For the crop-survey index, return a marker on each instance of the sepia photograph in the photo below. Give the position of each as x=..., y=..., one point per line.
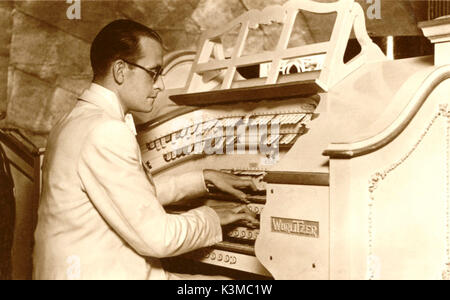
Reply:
x=225, y=145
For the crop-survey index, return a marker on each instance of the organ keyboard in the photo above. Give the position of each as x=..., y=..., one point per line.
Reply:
x=342, y=155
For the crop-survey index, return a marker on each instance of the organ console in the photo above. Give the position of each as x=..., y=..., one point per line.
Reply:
x=351, y=160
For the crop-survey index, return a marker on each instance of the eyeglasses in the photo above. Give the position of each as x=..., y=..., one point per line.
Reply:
x=154, y=72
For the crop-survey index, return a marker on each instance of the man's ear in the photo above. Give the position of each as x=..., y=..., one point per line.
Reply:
x=118, y=70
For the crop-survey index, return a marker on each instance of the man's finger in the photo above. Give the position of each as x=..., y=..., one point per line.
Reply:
x=236, y=217
x=236, y=193
x=245, y=183
x=243, y=208
x=246, y=217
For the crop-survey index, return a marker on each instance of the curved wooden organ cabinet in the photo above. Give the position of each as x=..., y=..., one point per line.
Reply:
x=352, y=160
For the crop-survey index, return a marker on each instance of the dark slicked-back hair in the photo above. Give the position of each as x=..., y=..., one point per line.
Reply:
x=118, y=39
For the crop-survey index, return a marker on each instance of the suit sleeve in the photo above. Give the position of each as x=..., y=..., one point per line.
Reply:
x=115, y=181
x=171, y=189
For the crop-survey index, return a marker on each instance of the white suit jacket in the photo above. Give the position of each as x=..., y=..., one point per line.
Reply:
x=99, y=215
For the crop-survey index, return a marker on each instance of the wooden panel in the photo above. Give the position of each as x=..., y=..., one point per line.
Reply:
x=267, y=92
x=302, y=178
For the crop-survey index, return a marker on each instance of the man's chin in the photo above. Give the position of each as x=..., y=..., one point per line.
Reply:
x=146, y=109
x=148, y=105
x=143, y=109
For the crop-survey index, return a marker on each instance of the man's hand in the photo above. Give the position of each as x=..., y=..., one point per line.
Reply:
x=229, y=183
x=232, y=213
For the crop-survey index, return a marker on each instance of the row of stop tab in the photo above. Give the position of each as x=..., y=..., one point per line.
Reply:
x=244, y=233
x=231, y=259
x=211, y=129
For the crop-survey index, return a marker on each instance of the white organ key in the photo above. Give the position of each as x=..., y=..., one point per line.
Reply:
x=298, y=118
x=257, y=121
x=266, y=120
x=187, y=140
x=184, y=132
x=286, y=119
x=219, y=124
x=209, y=124
x=194, y=128
x=290, y=119
x=277, y=119
x=191, y=148
x=177, y=135
x=252, y=121
x=158, y=145
x=284, y=139
x=288, y=139
x=202, y=146
x=174, y=138
x=246, y=119
x=230, y=141
x=307, y=118
x=229, y=122
x=211, y=132
x=273, y=139
x=234, y=121
x=220, y=142
x=207, y=133
x=226, y=122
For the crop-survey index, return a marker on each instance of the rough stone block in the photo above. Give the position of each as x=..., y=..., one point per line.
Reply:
x=36, y=106
x=216, y=13
x=4, y=63
x=150, y=12
x=261, y=4
x=61, y=102
x=176, y=39
x=178, y=12
x=94, y=15
x=5, y=33
x=7, y=3
x=28, y=102
x=43, y=50
x=74, y=84
x=171, y=18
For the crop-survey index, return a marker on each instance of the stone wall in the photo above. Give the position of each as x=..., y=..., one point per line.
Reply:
x=5, y=41
x=44, y=56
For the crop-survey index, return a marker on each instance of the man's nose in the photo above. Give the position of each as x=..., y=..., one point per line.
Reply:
x=159, y=84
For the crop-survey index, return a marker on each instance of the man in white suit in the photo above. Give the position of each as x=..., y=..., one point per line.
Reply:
x=101, y=216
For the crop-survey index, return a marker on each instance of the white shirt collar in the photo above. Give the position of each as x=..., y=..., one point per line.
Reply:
x=112, y=98
x=109, y=95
